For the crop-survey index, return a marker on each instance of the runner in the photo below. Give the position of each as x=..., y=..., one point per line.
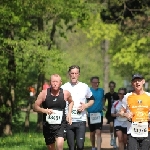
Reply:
x=83, y=99
x=111, y=97
x=53, y=100
x=120, y=123
x=95, y=111
x=136, y=106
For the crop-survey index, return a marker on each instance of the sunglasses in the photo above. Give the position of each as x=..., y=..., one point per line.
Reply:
x=121, y=93
x=95, y=82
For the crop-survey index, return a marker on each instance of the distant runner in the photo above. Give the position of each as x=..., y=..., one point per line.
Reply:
x=120, y=123
x=96, y=111
x=111, y=97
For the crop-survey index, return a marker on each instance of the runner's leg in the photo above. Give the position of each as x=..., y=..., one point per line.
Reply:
x=59, y=143
x=98, y=135
x=80, y=135
x=92, y=133
x=146, y=143
x=51, y=146
x=71, y=135
x=132, y=143
x=111, y=133
x=120, y=138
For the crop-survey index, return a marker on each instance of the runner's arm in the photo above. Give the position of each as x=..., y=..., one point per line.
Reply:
x=71, y=103
x=113, y=111
x=37, y=105
x=90, y=98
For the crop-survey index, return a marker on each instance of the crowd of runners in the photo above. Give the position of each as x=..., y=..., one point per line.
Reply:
x=69, y=107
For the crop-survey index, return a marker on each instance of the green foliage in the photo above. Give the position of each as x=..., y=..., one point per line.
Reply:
x=99, y=31
x=132, y=54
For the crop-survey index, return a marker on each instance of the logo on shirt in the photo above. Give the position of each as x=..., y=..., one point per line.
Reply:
x=139, y=101
x=55, y=99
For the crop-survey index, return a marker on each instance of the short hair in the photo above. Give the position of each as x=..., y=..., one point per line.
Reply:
x=124, y=89
x=112, y=82
x=73, y=67
x=55, y=75
x=94, y=77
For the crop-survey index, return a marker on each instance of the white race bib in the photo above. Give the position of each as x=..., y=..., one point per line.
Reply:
x=95, y=118
x=55, y=117
x=75, y=113
x=139, y=129
x=31, y=93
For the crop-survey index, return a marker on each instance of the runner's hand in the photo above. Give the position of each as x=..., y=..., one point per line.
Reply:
x=82, y=107
x=48, y=111
x=129, y=115
x=69, y=119
x=117, y=114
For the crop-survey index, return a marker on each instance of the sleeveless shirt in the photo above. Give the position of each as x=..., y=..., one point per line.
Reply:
x=54, y=102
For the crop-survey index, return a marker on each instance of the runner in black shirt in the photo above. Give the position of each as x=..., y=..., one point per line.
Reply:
x=111, y=97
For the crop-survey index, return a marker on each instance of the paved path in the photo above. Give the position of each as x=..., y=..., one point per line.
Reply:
x=105, y=137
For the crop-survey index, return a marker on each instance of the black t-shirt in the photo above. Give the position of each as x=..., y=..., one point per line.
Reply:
x=111, y=97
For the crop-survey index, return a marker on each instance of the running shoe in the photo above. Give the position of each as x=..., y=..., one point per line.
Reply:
x=112, y=142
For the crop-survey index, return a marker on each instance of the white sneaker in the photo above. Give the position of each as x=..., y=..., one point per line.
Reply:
x=112, y=142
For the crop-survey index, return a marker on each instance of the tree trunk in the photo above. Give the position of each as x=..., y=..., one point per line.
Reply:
x=41, y=79
x=10, y=92
x=27, y=116
x=105, y=56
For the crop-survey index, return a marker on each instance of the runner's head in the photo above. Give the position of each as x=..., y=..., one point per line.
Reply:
x=112, y=86
x=74, y=73
x=137, y=82
x=55, y=81
x=121, y=93
x=94, y=82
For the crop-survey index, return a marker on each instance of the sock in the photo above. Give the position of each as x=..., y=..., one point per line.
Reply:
x=114, y=139
x=111, y=135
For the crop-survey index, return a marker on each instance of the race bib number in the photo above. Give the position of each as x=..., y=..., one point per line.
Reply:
x=95, y=118
x=75, y=113
x=139, y=129
x=55, y=117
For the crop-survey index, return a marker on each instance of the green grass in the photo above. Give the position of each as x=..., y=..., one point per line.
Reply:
x=27, y=141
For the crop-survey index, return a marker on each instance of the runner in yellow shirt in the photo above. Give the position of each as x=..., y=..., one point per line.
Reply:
x=135, y=108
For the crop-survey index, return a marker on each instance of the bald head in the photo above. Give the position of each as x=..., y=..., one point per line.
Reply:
x=55, y=76
x=55, y=81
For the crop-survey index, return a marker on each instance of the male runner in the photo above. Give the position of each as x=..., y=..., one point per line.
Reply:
x=53, y=100
x=95, y=113
x=83, y=99
x=135, y=107
x=111, y=96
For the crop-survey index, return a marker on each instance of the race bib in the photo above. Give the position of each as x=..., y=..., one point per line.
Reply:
x=95, y=118
x=139, y=129
x=31, y=93
x=75, y=113
x=55, y=117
